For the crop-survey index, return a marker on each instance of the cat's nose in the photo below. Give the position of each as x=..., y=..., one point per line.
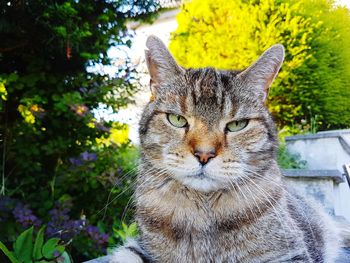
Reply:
x=204, y=156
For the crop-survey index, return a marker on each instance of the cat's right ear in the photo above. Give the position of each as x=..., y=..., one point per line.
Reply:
x=261, y=74
x=161, y=64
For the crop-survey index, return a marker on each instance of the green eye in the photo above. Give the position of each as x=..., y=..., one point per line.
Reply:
x=234, y=126
x=177, y=120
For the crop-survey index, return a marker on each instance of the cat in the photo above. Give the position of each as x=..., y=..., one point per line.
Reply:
x=209, y=188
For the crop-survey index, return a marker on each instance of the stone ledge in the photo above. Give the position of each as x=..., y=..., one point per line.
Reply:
x=325, y=134
x=334, y=175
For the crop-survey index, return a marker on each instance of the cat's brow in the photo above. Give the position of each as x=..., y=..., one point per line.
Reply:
x=169, y=111
x=238, y=117
x=169, y=108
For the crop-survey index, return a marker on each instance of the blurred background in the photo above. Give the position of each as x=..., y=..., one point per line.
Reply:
x=73, y=82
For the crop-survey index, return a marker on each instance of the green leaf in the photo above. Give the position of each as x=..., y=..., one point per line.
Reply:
x=12, y=77
x=8, y=253
x=49, y=247
x=39, y=241
x=23, y=246
x=126, y=231
x=132, y=231
x=60, y=249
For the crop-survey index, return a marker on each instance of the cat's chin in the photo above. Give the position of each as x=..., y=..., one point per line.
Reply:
x=201, y=183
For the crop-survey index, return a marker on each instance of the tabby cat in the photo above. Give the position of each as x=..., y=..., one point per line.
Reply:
x=209, y=188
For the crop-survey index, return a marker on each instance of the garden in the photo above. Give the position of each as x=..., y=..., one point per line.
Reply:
x=67, y=174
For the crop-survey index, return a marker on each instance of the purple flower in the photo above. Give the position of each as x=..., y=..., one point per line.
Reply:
x=100, y=239
x=56, y=254
x=87, y=91
x=76, y=162
x=83, y=90
x=60, y=224
x=83, y=157
x=86, y=156
x=25, y=216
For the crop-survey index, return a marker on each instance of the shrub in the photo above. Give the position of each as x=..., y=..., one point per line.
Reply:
x=315, y=77
x=53, y=147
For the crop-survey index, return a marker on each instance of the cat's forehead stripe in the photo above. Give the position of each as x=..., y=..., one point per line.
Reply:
x=206, y=93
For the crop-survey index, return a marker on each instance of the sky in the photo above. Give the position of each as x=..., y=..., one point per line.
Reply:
x=344, y=2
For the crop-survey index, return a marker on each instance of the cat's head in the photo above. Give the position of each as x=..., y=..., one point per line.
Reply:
x=208, y=128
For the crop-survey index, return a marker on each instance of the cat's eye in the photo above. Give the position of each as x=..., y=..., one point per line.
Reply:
x=234, y=126
x=177, y=120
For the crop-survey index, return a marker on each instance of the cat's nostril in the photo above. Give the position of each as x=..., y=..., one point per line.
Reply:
x=204, y=156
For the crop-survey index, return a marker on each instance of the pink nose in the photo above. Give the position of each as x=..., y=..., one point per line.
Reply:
x=204, y=156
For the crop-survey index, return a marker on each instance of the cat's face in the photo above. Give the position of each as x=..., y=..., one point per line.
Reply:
x=206, y=128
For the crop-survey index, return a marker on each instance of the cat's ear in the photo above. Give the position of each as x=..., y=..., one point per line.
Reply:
x=261, y=74
x=161, y=64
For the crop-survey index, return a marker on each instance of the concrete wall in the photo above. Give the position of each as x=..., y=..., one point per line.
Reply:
x=326, y=150
x=317, y=185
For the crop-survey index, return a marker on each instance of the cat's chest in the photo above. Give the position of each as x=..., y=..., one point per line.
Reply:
x=177, y=214
x=182, y=213
x=197, y=247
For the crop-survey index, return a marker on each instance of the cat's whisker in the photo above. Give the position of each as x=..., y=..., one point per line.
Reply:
x=114, y=185
x=278, y=185
x=132, y=198
x=277, y=212
x=244, y=197
x=288, y=195
x=116, y=197
x=253, y=197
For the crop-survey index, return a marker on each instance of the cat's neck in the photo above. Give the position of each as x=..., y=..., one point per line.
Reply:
x=161, y=198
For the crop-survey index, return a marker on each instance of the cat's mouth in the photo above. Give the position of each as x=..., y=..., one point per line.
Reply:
x=200, y=182
x=199, y=179
x=200, y=174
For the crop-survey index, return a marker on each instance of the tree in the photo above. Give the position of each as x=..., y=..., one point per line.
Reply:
x=52, y=146
x=314, y=82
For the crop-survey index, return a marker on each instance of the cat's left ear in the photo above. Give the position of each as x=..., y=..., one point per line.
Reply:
x=261, y=74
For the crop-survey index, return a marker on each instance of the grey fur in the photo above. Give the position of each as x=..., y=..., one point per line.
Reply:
x=236, y=208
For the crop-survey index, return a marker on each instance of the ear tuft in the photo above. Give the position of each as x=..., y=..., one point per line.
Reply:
x=154, y=42
x=261, y=74
x=161, y=64
x=276, y=51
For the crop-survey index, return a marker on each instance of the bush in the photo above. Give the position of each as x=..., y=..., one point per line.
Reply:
x=315, y=77
x=53, y=148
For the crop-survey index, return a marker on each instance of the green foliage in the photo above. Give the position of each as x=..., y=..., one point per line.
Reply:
x=23, y=246
x=125, y=231
x=286, y=160
x=8, y=253
x=315, y=77
x=52, y=145
x=39, y=242
x=24, y=251
x=3, y=93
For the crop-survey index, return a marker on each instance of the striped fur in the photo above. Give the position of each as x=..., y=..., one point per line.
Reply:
x=235, y=208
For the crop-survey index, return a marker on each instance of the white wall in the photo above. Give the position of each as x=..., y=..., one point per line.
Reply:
x=323, y=151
